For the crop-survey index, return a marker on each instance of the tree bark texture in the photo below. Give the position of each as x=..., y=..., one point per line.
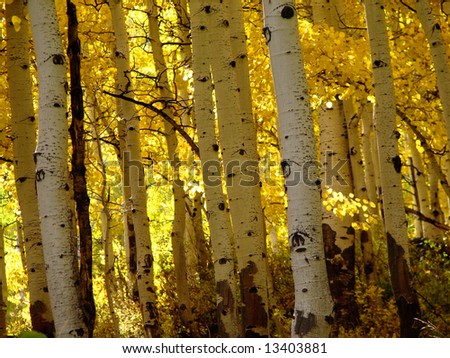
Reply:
x=313, y=303
x=241, y=175
x=134, y=177
x=216, y=201
x=390, y=170
x=77, y=134
x=23, y=123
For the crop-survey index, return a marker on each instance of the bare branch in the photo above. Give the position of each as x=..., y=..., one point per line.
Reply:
x=164, y=115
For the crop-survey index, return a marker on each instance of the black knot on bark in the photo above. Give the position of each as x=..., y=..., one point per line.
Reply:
x=397, y=163
x=287, y=12
x=58, y=59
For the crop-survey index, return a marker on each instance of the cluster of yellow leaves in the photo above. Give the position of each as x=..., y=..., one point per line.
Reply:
x=362, y=210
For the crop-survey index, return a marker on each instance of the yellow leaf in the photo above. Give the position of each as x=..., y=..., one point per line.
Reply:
x=16, y=22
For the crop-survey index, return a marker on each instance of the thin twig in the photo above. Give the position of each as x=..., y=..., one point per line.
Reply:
x=164, y=115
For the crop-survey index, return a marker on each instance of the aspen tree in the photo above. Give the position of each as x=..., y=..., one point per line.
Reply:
x=129, y=232
x=105, y=218
x=370, y=152
x=241, y=68
x=360, y=187
x=439, y=54
x=423, y=194
x=313, y=303
x=338, y=233
x=77, y=135
x=241, y=175
x=390, y=170
x=23, y=125
x=177, y=235
x=134, y=176
x=339, y=236
x=52, y=176
x=216, y=203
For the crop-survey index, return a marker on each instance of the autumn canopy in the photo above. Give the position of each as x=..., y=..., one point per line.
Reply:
x=209, y=168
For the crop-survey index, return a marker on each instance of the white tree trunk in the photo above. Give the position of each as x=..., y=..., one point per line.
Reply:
x=313, y=304
x=360, y=187
x=216, y=203
x=370, y=153
x=338, y=233
x=424, y=206
x=439, y=54
x=23, y=125
x=390, y=169
x=177, y=235
x=135, y=177
x=52, y=176
x=241, y=174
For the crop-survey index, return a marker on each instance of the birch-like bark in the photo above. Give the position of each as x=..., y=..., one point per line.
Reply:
x=23, y=125
x=360, y=188
x=241, y=174
x=436, y=210
x=129, y=235
x=241, y=68
x=21, y=245
x=216, y=203
x=313, y=303
x=338, y=233
x=177, y=235
x=52, y=176
x=328, y=12
x=424, y=206
x=134, y=177
x=390, y=170
x=105, y=218
x=202, y=245
x=439, y=54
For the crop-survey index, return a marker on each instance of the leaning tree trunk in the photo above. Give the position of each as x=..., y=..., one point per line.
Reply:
x=216, y=203
x=77, y=135
x=313, y=304
x=241, y=175
x=52, y=176
x=23, y=125
x=390, y=170
x=134, y=176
